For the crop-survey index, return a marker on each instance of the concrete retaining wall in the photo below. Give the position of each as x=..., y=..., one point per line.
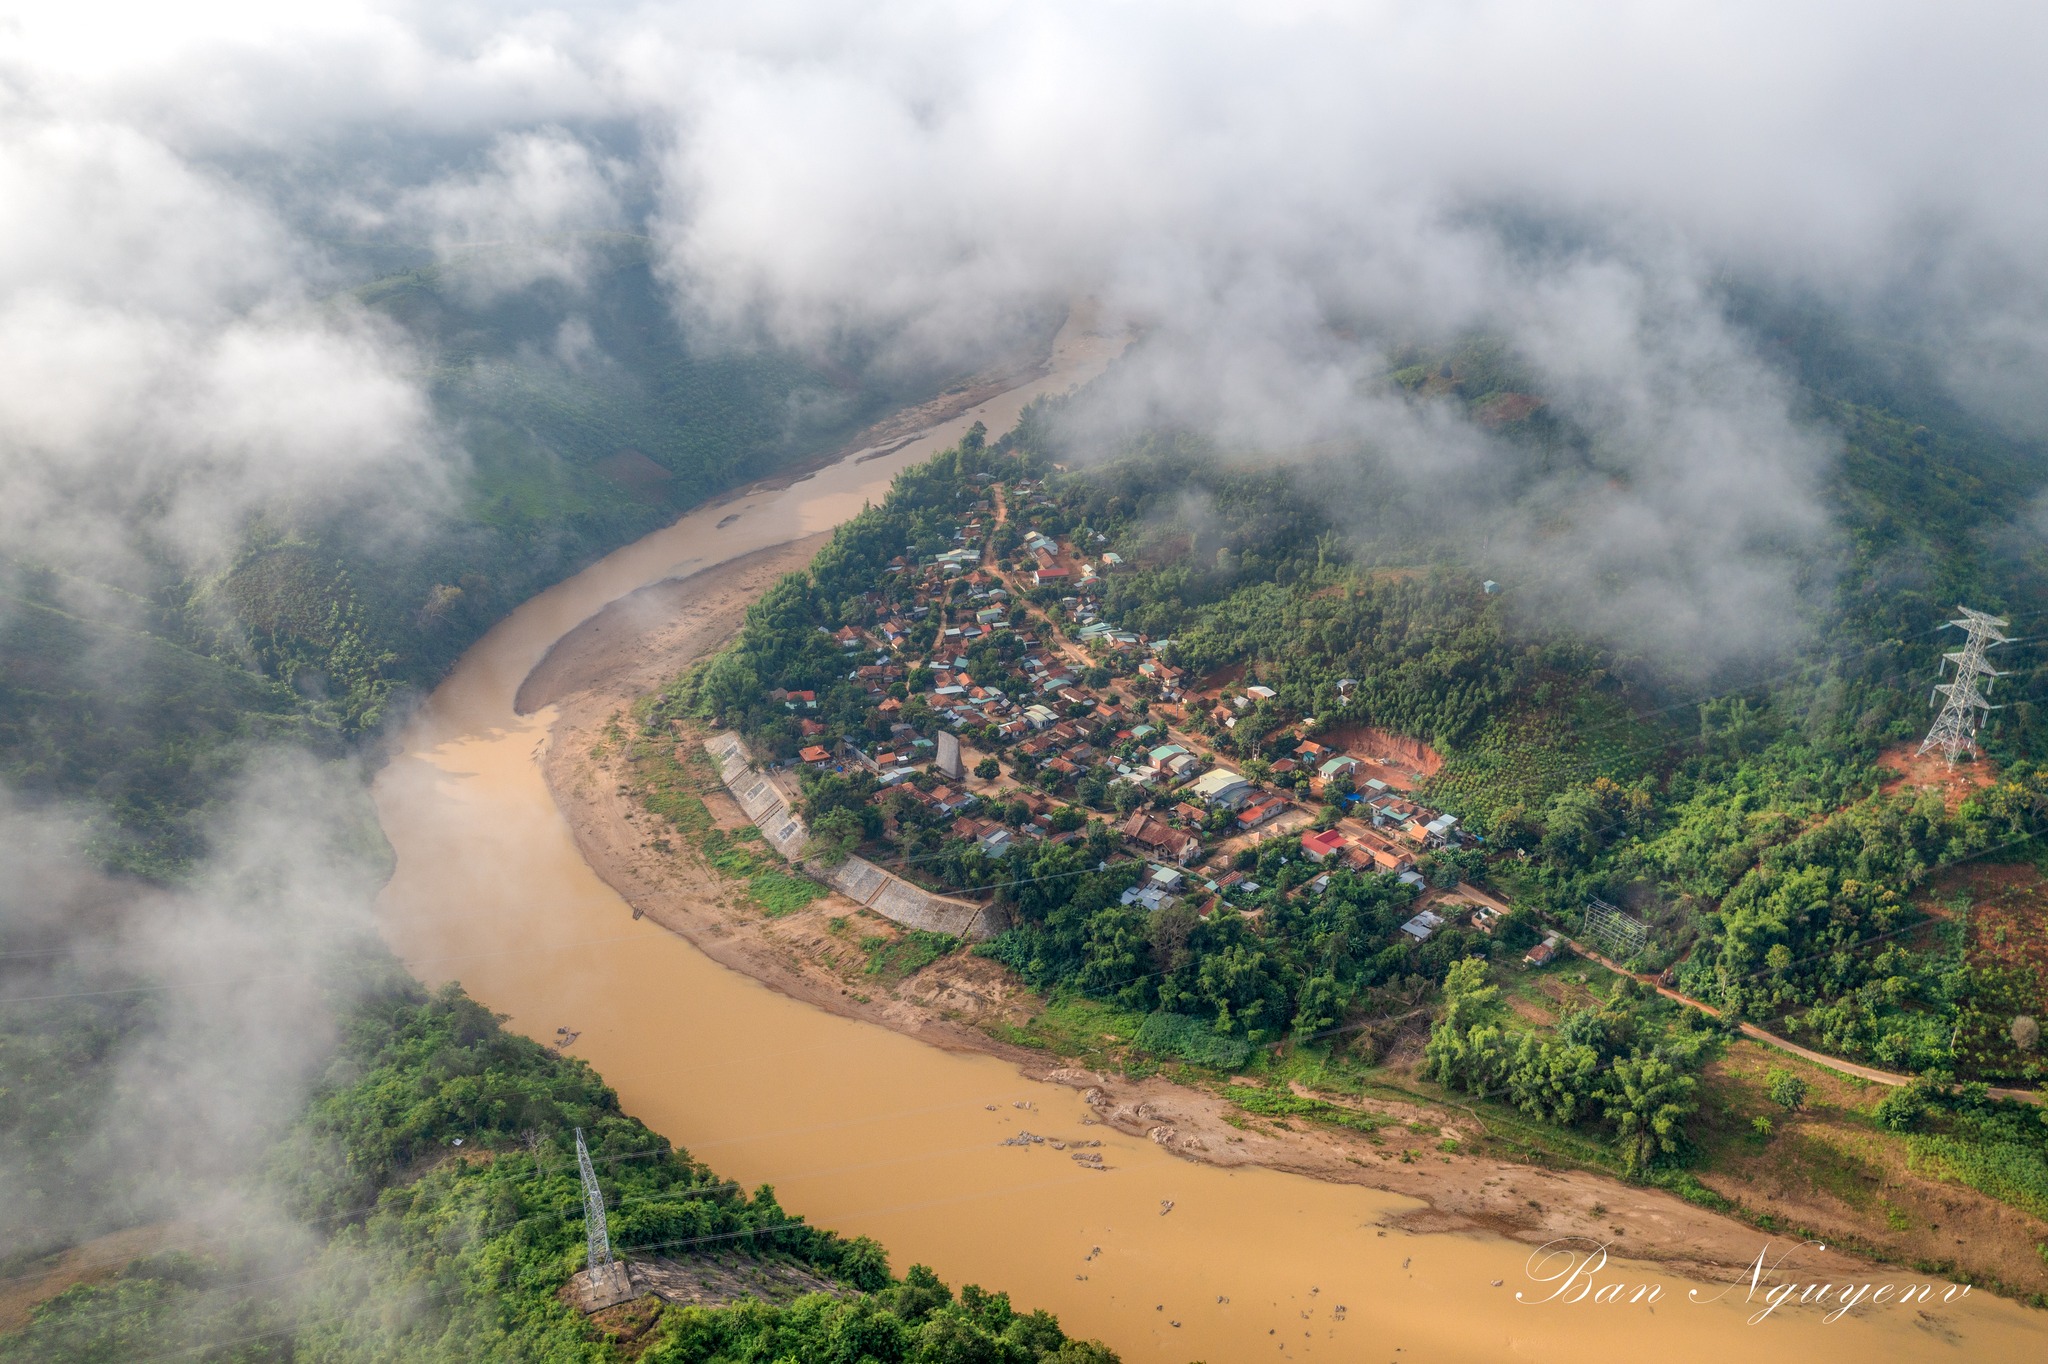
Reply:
x=858, y=879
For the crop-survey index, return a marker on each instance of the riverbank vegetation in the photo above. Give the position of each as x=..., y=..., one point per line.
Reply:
x=1749, y=842
x=431, y=1209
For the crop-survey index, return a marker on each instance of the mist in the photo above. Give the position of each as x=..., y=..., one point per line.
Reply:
x=209, y=1005
x=1277, y=196
x=1246, y=183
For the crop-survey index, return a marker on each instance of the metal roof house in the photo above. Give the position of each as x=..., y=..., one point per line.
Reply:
x=1423, y=924
x=1221, y=786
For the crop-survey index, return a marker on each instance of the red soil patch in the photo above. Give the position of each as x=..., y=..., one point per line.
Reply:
x=1931, y=772
x=2008, y=916
x=1396, y=759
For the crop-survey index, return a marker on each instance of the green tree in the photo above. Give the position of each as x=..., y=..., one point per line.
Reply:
x=1648, y=1100
x=834, y=835
x=1787, y=1090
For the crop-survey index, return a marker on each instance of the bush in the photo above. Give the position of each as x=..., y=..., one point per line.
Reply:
x=1901, y=1109
x=1192, y=1039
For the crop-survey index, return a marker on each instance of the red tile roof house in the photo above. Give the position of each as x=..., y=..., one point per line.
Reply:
x=1315, y=847
x=1372, y=852
x=1259, y=811
x=815, y=754
x=1378, y=859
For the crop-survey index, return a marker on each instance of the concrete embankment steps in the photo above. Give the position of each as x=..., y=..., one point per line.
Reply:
x=858, y=879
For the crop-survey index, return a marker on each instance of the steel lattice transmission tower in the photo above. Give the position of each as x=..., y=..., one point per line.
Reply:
x=594, y=1224
x=1955, y=729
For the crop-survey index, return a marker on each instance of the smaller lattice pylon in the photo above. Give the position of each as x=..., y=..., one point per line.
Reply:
x=1963, y=703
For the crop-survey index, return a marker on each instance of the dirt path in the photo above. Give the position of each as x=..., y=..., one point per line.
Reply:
x=1750, y=1030
x=92, y=1262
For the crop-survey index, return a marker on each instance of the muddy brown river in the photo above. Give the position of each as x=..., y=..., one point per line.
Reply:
x=868, y=1132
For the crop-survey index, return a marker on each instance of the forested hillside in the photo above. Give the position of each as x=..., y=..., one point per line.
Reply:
x=584, y=416
x=434, y=1178
x=134, y=693
x=1751, y=827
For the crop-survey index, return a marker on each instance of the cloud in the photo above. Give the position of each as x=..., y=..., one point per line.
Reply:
x=195, y=1017
x=536, y=194
x=1256, y=186
x=164, y=371
x=1272, y=190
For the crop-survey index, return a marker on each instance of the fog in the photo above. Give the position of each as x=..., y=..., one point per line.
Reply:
x=1237, y=179
x=214, y=999
x=1276, y=194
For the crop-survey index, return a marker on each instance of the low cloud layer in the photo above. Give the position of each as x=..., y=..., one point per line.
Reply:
x=1276, y=193
x=1245, y=181
x=165, y=372
x=212, y=1001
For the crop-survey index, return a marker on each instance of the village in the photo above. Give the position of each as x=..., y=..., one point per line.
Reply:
x=1015, y=713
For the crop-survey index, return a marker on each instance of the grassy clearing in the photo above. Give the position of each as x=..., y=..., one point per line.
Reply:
x=1085, y=1031
x=2009, y=1171
x=1281, y=1103
x=906, y=954
x=769, y=885
x=669, y=779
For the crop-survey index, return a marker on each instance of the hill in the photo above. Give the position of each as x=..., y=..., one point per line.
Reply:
x=1172, y=671
x=586, y=417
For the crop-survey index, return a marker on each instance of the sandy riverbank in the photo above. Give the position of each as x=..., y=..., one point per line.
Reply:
x=635, y=644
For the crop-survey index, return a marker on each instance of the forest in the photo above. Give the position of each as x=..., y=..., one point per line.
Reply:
x=139, y=692
x=432, y=1179
x=1748, y=824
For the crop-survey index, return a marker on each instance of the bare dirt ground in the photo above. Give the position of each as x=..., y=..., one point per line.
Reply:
x=2008, y=918
x=596, y=672
x=1931, y=772
x=1401, y=762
